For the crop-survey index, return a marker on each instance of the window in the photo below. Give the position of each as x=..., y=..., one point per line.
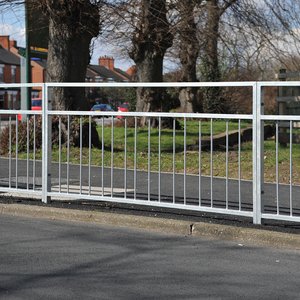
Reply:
x=1, y=101
x=12, y=100
x=98, y=79
x=13, y=74
x=1, y=73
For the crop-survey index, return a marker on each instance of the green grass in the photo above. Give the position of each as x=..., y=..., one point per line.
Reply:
x=192, y=136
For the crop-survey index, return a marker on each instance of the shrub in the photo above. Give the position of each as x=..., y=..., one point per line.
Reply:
x=35, y=134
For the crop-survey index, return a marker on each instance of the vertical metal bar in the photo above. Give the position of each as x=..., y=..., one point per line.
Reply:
x=46, y=146
x=159, y=159
x=17, y=150
x=174, y=157
x=277, y=168
x=200, y=163
x=27, y=144
x=49, y=145
x=34, y=151
x=239, y=164
x=125, y=158
x=211, y=162
x=291, y=168
x=68, y=156
x=59, y=153
x=102, y=155
x=90, y=151
x=227, y=152
x=80, y=157
x=184, y=161
x=149, y=153
x=257, y=153
x=112, y=157
x=10, y=159
x=262, y=142
x=135, y=154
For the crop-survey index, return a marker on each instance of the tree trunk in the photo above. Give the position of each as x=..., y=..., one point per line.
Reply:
x=149, y=70
x=188, y=54
x=150, y=41
x=72, y=25
x=212, y=101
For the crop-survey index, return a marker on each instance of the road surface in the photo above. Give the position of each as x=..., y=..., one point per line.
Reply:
x=144, y=181
x=42, y=259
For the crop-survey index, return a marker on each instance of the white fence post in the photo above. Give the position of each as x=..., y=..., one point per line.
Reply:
x=257, y=154
x=46, y=146
x=262, y=138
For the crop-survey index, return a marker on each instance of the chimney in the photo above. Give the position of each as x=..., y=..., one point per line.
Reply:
x=12, y=44
x=131, y=71
x=107, y=62
x=4, y=41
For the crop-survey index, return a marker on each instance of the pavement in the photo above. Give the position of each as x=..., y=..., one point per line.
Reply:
x=230, y=230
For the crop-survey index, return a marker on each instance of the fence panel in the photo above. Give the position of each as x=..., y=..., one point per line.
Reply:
x=217, y=163
x=174, y=160
x=180, y=167
x=20, y=141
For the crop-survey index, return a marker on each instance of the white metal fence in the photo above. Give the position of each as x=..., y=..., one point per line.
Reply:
x=181, y=167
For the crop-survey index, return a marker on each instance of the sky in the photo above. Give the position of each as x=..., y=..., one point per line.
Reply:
x=12, y=23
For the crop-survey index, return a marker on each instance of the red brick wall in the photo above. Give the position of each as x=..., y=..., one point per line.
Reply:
x=7, y=74
x=37, y=74
x=18, y=74
x=4, y=41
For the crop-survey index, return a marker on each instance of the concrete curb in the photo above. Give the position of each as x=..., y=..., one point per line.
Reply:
x=247, y=236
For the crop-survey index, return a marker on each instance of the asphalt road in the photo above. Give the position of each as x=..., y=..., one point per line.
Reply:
x=166, y=184
x=42, y=259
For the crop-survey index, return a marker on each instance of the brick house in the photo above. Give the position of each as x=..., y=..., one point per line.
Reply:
x=9, y=73
x=105, y=71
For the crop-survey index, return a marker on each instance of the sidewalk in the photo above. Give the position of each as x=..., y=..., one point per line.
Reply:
x=240, y=232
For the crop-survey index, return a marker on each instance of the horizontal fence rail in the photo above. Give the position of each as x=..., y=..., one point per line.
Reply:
x=191, y=161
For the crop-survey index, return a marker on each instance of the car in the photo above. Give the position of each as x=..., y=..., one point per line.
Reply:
x=123, y=108
x=102, y=107
x=36, y=104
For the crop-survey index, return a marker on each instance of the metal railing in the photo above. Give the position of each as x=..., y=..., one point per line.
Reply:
x=181, y=167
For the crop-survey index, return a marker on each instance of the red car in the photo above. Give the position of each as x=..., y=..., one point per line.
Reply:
x=36, y=104
x=123, y=108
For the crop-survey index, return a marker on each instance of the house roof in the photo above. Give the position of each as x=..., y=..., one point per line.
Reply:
x=8, y=58
x=124, y=74
x=42, y=63
x=105, y=73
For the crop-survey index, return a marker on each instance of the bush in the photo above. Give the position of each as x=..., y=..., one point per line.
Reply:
x=37, y=139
